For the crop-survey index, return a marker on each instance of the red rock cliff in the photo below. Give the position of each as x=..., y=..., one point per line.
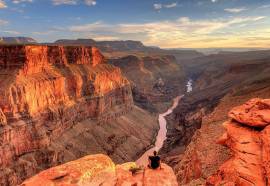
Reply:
x=33, y=59
x=44, y=91
x=248, y=136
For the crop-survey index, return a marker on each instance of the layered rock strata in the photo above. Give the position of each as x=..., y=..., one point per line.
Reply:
x=155, y=79
x=100, y=170
x=46, y=90
x=247, y=136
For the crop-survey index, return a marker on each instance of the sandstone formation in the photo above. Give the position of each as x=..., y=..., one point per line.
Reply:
x=45, y=91
x=98, y=170
x=249, y=164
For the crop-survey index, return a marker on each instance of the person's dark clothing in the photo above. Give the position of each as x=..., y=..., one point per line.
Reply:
x=155, y=161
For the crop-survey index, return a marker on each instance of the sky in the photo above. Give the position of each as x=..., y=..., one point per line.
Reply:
x=163, y=23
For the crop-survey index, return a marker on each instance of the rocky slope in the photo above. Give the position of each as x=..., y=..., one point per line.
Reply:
x=155, y=79
x=50, y=98
x=100, y=170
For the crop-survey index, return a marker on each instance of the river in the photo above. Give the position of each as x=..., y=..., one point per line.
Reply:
x=162, y=133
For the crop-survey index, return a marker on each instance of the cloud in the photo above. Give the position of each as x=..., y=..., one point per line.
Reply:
x=172, y=5
x=183, y=24
x=159, y=6
x=12, y=32
x=265, y=6
x=21, y=1
x=48, y=32
x=90, y=2
x=2, y=4
x=3, y=22
x=97, y=26
x=74, y=2
x=180, y=32
x=64, y=2
x=235, y=10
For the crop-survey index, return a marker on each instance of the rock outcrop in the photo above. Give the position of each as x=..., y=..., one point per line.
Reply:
x=46, y=90
x=247, y=136
x=99, y=169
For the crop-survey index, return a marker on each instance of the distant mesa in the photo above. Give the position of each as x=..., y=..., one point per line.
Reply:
x=106, y=45
x=17, y=40
x=109, y=46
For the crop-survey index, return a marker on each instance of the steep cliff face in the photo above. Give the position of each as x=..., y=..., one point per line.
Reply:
x=46, y=90
x=100, y=170
x=247, y=136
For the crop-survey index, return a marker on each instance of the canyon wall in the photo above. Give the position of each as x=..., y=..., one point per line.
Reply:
x=45, y=91
x=155, y=79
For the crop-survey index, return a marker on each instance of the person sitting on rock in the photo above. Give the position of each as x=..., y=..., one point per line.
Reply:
x=154, y=161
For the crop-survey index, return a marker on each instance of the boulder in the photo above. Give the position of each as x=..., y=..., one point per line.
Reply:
x=254, y=113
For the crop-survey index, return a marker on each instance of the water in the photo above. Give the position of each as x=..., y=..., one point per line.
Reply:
x=161, y=137
x=189, y=86
x=162, y=133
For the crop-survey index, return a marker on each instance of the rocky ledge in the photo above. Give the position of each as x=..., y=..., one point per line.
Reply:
x=99, y=169
x=248, y=137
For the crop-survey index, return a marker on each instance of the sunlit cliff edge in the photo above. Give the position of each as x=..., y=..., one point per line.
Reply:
x=99, y=169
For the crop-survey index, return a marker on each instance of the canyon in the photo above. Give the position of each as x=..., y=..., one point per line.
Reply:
x=67, y=100
x=59, y=103
x=155, y=79
x=220, y=82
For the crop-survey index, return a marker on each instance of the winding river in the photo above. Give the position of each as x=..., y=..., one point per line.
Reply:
x=162, y=133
